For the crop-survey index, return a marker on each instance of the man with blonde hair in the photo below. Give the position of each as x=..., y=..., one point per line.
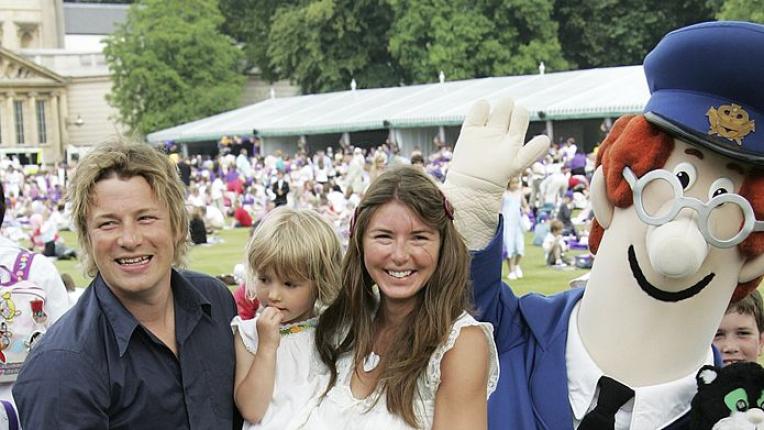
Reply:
x=147, y=346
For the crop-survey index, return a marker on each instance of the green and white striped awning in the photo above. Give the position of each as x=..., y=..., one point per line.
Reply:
x=581, y=94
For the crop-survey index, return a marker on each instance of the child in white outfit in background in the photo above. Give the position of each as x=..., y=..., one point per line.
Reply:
x=294, y=259
x=554, y=246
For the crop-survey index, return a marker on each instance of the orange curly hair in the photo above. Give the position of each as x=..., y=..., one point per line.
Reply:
x=636, y=143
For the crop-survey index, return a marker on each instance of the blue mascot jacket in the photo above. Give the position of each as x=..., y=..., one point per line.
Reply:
x=531, y=334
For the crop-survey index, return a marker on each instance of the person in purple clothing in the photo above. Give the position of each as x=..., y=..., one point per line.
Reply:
x=577, y=164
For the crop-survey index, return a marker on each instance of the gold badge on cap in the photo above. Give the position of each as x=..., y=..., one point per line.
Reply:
x=731, y=122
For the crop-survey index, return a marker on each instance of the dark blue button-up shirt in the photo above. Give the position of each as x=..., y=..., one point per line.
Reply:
x=98, y=368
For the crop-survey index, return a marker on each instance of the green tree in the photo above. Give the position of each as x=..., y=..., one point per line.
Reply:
x=742, y=10
x=468, y=39
x=323, y=44
x=170, y=64
x=249, y=22
x=601, y=33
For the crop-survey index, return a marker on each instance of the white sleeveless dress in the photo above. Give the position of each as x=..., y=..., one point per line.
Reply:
x=300, y=374
x=340, y=410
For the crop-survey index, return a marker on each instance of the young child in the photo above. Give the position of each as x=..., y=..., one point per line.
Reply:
x=513, y=208
x=740, y=336
x=564, y=213
x=554, y=245
x=294, y=262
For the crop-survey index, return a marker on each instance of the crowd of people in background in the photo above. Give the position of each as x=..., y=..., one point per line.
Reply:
x=237, y=187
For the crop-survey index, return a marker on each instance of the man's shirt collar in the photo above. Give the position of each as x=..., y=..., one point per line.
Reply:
x=189, y=303
x=652, y=407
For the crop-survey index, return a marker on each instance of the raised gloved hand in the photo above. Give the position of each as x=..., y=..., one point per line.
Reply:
x=488, y=152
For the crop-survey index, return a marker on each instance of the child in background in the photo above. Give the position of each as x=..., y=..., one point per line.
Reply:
x=554, y=245
x=564, y=213
x=241, y=217
x=740, y=337
x=513, y=208
x=294, y=262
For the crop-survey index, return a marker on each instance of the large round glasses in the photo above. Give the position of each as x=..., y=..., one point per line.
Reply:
x=719, y=219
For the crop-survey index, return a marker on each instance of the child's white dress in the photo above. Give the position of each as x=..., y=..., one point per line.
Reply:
x=511, y=209
x=340, y=410
x=298, y=372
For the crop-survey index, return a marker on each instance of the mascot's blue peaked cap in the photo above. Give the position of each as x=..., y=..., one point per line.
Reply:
x=707, y=87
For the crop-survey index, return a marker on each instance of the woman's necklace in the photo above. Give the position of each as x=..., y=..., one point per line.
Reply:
x=371, y=362
x=382, y=339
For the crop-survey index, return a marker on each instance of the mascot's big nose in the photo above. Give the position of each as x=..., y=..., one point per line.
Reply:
x=677, y=248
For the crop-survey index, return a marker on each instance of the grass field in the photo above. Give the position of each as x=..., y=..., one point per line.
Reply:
x=220, y=258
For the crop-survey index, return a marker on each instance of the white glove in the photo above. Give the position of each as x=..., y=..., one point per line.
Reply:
x=488, y=152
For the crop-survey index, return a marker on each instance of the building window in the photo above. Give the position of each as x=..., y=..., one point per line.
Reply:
x=18, y=115
x=27, y=39
x=27, y=34
x=86, y=60
x=42, y=129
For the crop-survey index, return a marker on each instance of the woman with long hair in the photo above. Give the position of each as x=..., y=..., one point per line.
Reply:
x=401, y=349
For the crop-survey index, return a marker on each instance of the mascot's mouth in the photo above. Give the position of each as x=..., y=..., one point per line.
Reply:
x=658, y=294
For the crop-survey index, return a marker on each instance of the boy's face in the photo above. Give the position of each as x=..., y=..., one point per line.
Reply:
x=738, y=339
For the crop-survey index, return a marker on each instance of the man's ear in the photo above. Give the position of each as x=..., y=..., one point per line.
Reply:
x=751, y=269
x=603, y=209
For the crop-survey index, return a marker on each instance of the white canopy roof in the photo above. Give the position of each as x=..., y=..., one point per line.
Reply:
x=596, y=93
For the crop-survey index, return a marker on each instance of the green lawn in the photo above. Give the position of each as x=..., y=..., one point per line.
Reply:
x=220, y=258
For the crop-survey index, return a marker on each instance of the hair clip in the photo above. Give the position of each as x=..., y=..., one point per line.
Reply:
x=447, y=207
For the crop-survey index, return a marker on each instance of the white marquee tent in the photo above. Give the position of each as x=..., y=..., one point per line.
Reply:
x=581, y=94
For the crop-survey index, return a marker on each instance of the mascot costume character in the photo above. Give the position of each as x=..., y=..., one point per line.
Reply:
x=678, y=199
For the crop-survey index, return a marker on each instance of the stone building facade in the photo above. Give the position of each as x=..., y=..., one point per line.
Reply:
x=54, y=79
x=32, y=107
x=33, y=103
